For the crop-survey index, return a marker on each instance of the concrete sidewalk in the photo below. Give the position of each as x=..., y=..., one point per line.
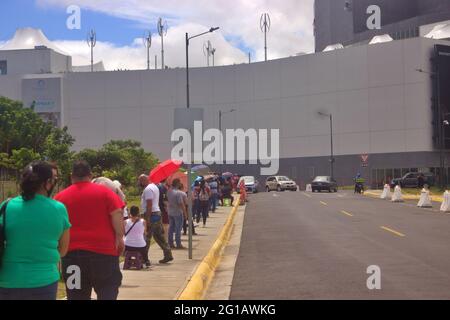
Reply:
x=165, y=282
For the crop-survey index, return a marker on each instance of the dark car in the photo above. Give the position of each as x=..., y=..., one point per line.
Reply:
x=324, y=183
x=411, y=180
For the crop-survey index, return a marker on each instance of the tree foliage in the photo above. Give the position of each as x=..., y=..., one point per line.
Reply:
x=25, y=137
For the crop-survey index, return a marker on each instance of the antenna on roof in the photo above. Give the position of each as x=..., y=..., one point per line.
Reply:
x=92, y=41
x=148, y=44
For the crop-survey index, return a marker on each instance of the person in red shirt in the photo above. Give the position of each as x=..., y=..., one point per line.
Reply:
x=96, y=237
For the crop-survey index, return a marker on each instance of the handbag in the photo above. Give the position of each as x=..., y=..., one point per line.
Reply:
x=3, y=231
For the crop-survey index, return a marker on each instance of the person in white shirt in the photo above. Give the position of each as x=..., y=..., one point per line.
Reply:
x=152, y=215
x=135, y=230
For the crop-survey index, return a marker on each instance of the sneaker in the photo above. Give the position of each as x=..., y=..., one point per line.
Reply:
x=180, y=247
x=147, y=265
x=166, y=259
x=172, y=246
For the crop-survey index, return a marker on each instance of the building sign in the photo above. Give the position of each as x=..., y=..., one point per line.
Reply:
x=44, y=96
x=364, y=160
x=367, y=12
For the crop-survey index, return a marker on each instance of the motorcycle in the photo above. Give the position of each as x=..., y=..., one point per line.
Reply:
x=359, y=188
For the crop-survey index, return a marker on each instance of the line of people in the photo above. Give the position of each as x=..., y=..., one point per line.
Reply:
x=81, y=232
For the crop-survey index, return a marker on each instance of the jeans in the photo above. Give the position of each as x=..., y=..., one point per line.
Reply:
x=175, y=226
x=97, y=271
x=185, y=226
x=213, y=201
x=41, y=293
x=204, y=210
x=196, y=210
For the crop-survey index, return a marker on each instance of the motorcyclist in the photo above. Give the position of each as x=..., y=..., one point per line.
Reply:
x=359, y=183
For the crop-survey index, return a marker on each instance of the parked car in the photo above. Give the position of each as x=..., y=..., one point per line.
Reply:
x=280, y=183
x=411, y=180
x=324, y=183
x=251, y=184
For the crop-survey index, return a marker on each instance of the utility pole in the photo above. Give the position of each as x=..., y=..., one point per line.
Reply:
x=148, y=44
x=92, y=41
x=265, y=24
x=162, y=31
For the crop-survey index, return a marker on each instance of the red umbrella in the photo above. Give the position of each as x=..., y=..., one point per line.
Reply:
x=164, y=170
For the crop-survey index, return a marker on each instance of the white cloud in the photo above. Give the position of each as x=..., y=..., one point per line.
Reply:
x=291, y=30
x=135, y=55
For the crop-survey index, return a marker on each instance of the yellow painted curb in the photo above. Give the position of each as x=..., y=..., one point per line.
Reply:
x=201, y=279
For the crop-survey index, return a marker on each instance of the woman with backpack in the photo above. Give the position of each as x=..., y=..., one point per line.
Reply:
x=36, y=229
x=204, y=193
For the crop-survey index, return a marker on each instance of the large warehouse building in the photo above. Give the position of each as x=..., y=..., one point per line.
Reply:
x=345, y=22
x=382, y=107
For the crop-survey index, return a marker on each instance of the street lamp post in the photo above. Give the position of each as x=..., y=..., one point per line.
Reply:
x=442, y=124
x=330, y=115
x=190, y=222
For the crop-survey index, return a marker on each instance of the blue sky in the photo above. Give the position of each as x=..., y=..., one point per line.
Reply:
x=52, y=21
x=119, y=23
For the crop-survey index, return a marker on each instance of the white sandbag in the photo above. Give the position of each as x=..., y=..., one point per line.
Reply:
x=386, y=194
x=308, y=188
x=425, y=199
x=445, y=207
x=397, y=196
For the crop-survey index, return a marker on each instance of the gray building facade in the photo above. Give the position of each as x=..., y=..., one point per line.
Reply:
x=345, y=21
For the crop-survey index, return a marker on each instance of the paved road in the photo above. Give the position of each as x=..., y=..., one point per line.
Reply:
x=318, y=246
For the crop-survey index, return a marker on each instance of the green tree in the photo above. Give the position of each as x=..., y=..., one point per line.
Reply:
x=22, y=157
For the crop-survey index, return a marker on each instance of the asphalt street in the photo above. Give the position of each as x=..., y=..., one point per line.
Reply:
x=298, y=245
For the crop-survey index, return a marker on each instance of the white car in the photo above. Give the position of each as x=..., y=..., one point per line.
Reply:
x=280, y=183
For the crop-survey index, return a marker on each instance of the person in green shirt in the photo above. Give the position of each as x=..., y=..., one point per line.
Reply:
x=37, y=236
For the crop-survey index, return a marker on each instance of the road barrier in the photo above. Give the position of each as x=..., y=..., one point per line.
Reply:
x=445, y=207
x=386, y=192
x=308, y=188
x=201, y=279
x=397, y=197
x=425, y=199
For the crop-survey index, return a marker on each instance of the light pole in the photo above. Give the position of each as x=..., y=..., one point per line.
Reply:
x=188, y=105
x=330, y=115
x=221, y=113
x=440, y=128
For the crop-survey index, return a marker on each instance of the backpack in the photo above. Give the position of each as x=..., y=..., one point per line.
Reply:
x=203, y=195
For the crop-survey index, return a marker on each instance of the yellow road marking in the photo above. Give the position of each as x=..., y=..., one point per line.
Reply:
x=324, y=203
x=307, y=195
x=347, y=213
x=393, y=231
